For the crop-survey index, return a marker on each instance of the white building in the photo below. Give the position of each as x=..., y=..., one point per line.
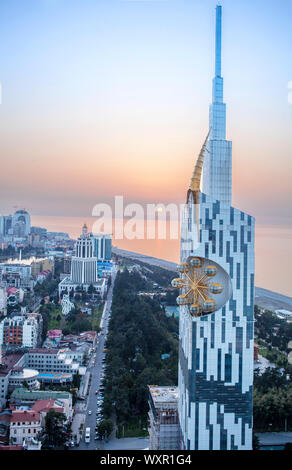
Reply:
x=20, y=376
x=3, y=300
x=52, y=360
x=84, y=265
x=66, y=285
x=19, y=331
x=24, y=425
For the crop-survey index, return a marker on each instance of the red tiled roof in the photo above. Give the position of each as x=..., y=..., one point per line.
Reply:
x=46, y=405
x=26, y=416
x=16, y=447
x=44, y=351
x=54, y=333
x=8, y=362
x=12, y=290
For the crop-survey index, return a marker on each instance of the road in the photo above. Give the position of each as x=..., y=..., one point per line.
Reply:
x=95, y=368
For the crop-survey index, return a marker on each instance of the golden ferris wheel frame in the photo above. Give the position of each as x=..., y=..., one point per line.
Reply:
x=204, y=286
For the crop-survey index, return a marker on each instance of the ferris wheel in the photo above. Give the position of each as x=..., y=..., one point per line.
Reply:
x=200, y=283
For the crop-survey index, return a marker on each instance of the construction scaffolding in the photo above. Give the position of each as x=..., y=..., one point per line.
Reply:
x=163, y=418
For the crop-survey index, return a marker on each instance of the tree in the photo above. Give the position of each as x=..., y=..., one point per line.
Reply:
x=255, y=442
x=105, y=428
x=54, y=434
x=76, y=380
x=91, y=289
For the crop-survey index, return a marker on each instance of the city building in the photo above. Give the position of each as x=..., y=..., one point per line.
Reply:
x=3, y=301
x=25, y=273
x=24, y=424
x=163, y=418
x=38, y=231
x=44, y=406
x=52, y=360
x=22, y=397
x=54, y=378
x=21, y=376
x=84, y=264
x=41, y=265
x=31, y=443
x=81, y=343
x=216, y=351
x=21, y=330
x=5, y=225
x=5, y=417
x=103, y=246
x=14, y=296
x=15, y=274
x=21, y=223
x=53, y=339
x=105, y=268
x=7, y=364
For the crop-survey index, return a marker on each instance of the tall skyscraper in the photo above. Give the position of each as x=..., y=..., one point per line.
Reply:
x=217, y=297
x=103, y=246
x=21, y=223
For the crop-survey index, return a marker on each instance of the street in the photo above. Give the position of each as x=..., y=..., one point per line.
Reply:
x=96, y=370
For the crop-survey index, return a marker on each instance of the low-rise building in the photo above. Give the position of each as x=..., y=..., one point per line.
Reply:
x=24, y=397
x=20, y=376
x=7, y=364
x=5, y=417
x=44, y=406
x=52, y=360
x=24, y=425
x=163, y=418
x=14, y=296
x=66, y=285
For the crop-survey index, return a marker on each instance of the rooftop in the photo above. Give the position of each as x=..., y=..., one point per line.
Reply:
x=44, y=351
x=8, y=362
x=163, y=394
x=25, y=416
x=24, y=394
x=46, y=405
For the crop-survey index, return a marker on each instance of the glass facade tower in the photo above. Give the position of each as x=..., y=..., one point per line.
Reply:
x=216, y=350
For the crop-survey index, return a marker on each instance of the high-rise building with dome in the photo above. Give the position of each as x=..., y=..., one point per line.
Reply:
x=216, y=284
x=84, y=263
x=90, y=250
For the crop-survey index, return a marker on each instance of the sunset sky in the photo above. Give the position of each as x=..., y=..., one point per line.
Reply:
x=110, y=97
